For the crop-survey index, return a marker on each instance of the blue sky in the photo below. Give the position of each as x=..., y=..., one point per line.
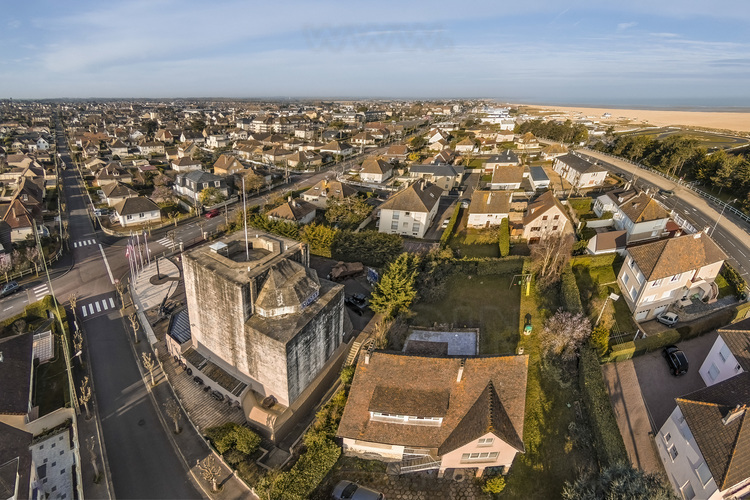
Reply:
x=689, y=52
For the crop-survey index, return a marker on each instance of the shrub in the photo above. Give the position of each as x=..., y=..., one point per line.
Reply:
x=372, y=248
x=571, y=296
x=446, y=236
x=580, y=205
x=347, y=374
x=231, y=436
x=494, y=485
x=504, y=239
x=735, y=280
x=600, y=340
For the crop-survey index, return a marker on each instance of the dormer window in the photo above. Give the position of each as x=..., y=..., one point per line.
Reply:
x=376, y=416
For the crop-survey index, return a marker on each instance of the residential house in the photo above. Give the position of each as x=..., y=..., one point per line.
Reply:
x=410, y=212
x=659, y=274
x=448, y=177
x=294, y=210
x=467, y=145
x=186, y=164
x=193, y=137
x=527, y=141
x=118, y=148
x=439, y=145
x=608, y=242
x=326, y=190
x=187, y=149
x=164, y=136
x=227, y=165
x=544, y=216
x=364, y=139
x=276, y=155
x=439, y=413
x=150, y=147
x=579, y=172
x=217, y=140
x=115, y=192
x=505, y=159
x=190, y=184
x=704, y=443
x=21, y=218
x=436, y=135
x=112, y=173
x=507, y=178
x=638, y=214
x=538, y=178
x=553, y=151
x=302, y=159
x=730, y=354
x=137, y=210
x=18, y=473
x=94, y=164
x=447, y=155
x=42, y=144
x=375, y=170
x=489, y=208
x=338, y=148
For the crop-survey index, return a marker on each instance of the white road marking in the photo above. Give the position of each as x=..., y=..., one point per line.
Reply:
x=40, y=287
x=91, y=308
x=109, y=271
x=8, y=308
x=112, y=302
x=83, y=310
x=98, y=309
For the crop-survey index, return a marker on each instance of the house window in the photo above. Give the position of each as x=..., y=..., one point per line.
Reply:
x=655, y=283
x=394, y=225
x=142, y=215
x=544, y=218
x=703, y=473
x=129, y=217
x=675, y=277
x=415, y=228
x=407, y=214
x=633, y=293
x=672, y=452
x=687, y=491
x=216, y=183
x=724, y=353
x=395, y=215
x=631, y=263
x=713, y=372
x=535, y=229
x=485, y=441
x=485, y=456
x=554, y=228
x=556, y=217
x=667, y=437
x=625, y=279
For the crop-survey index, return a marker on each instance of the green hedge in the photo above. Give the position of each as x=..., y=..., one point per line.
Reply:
x=735, y=280
x=446, y=236
x=608, y=441
x=580, y=205
x=232, y=436
x=594, y=260
x=627, y=350
x=569, y=293
x=504, y=239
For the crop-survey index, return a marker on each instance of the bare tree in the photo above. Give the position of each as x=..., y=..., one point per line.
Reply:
x=149, y=364
x=33, y=255
x=120, y=287
x=172, y=235
x=175, y=413
x=564, y=333
x=550, y=255
x=73, y=298
x=85, y=396
x=78, y=345
x=202, y=225
x=6, y=266
x=93, y=456
x=136, y=325
x=173, y=217
x=209, y=470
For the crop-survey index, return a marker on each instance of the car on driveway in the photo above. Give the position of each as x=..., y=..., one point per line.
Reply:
x=10, y=288
x=446, y=222
x=669, y=318
x=347, y=490
x=357, y=302
x=212, y=213
x=676, y=360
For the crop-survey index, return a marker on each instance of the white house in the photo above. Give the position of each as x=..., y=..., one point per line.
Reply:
x=639, y=215
x=580, y=173
x=139, y=210
x=489, y=208
x=294, y=210
x=509, y=177
x=186, y=164
x=410, y=212
x=704, y=443
x=659, y=274
x=730, y=354
x=375, y=170
x=505, y=159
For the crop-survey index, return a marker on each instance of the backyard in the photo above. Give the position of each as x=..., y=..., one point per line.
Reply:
x=470, y=242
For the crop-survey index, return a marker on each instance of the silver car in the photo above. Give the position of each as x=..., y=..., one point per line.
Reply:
x=347, y=490
x=669, y=319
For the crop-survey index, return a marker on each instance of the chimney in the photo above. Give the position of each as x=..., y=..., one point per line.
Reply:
x=289, y=199
x=461, y=370
x=698, y=234
x=734, y=414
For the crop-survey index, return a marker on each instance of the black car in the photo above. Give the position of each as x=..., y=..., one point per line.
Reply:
x=676, y=360
x=357, y=302
x=10, y=288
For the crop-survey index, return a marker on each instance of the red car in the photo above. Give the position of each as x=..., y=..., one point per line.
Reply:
x=212, y=213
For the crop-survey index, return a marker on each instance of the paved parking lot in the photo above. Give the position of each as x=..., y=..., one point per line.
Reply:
x=660, y=388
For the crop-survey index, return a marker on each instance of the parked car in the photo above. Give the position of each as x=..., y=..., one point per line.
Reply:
x=10, y=288
x=100, y=212
x=212, y=213
x=666, y=192
x=357, y=300
x=445, y=223
x=347, y=490
x=676, y=360
x=669, y=319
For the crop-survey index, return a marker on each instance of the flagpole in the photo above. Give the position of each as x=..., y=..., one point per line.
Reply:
x=244, y=213
x=140, y=255
x=145, y=244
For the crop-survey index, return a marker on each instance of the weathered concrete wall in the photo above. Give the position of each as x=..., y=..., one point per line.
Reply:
x=266, y=361
x=309, y=350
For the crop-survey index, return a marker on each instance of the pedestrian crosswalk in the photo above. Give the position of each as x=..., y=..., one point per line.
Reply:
x=167, y=242
x=89, y=309
x=40, y=291
x=83, y=243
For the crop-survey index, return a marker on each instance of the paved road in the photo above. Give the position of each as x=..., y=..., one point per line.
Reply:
x=732, y=234
x=143, y=463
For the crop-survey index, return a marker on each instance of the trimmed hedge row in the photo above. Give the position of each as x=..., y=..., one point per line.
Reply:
x=594, y=260
x=569, y=292
x=609, y=444
x=504, y=239
x=446, y=236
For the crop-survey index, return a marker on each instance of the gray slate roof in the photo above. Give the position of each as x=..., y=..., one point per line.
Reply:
x=579, y=164
x=137, y=205
x=418, y=197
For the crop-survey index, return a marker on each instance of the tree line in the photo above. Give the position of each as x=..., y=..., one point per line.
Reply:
x=555, y=131
x=684, y=157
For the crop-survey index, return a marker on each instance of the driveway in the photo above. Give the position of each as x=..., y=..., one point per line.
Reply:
x=660, y=388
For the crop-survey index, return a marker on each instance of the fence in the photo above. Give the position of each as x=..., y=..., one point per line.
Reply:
x=19, y=274
x=680, y=182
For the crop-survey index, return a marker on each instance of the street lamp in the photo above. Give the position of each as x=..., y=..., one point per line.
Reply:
x=612, y=296
x=720, y=215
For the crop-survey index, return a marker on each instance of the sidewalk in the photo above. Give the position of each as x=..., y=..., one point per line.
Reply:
x=150, y=292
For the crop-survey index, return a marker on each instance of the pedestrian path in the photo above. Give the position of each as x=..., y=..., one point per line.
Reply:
x=97, y=307
x=167, y=242
x=84, y=243
x=40, y=291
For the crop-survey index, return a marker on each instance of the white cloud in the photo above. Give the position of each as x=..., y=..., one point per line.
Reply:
x=625, y=26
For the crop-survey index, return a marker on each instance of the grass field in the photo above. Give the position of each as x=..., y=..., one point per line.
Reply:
x=485, y=302
x=706, y=139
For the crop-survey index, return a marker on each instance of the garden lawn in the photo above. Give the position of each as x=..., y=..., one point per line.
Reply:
x=471, y=242
x=485, y=302
x=553, y=456
x=595, y=283
x=51, y=390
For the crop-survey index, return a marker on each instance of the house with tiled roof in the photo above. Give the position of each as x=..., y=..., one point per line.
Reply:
x=730, y=354
x=136, y=211
x=227, y=165
x=397, y=152
x=705, y=443
x=112, y=173
x=663, y=273
x=579, y=172
x=185, y=164
x=446, y=176
x=191, y=184
x=325, y=190
x=436, y=413
x=375, y=170
x=527, y=141
x=294, y=210
x=18, y=477
x=304, y=159
x=115, y=192
x=505, y=159
x=21, y=218
x=638, y=214
x=509, y=177
x=466, y=145
x=117, y=147
x=489, y=208
x=553, y=151
x=544, y=216
x=410, y=212
x=338, y=148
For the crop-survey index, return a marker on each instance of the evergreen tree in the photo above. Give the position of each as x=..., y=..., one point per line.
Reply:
x=395, y=291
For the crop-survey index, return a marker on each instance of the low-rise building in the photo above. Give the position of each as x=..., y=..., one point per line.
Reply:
x=489, y=208
x=326, y=190
x=545, y=216
x=410, y=212
x=579, y=172
x=227, y=165
x=186, y=164
x=136, y=211
x=446, y=176
x=115, y=192
x=191, y=184
x=375, y=170
x=294, y=210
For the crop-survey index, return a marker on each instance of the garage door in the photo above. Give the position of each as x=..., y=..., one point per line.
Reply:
x=660, y=309
x=640, y=316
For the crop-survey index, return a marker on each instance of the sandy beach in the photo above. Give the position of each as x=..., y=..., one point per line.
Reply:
x=737, y=122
